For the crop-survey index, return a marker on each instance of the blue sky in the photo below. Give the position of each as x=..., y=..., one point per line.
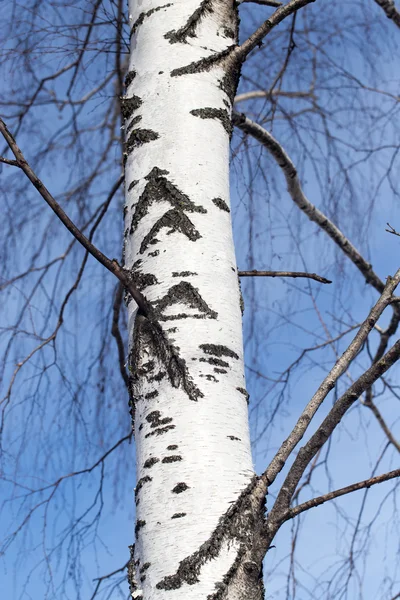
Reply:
x=78, y=418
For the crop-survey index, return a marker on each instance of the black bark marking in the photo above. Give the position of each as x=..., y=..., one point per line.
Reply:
x=155, y=421
x=157, y=377
x=160, y=431
x=216, y=370
x=230, y=80
x=155, y=253
x=189, y=30
x=221, y=114
x=141, y=483
x=241, y=299
x=229, y=33
x=242, y=522
x=218, y=350
x=184, y=293
x=130, y=76
x=138, y=137
x=145, y=567
x=183, y=274
x=180, y=487
x=171, y=459
x=129, y=105
x=141, y=280
x=205, y=64
x=172, y=447
x=158, y=189
x=142, y=578
x=139, y=525
x=217, y=362
x=151, y=395
x=144, y=15
x=244, y=392
x=132, y=185
x=222, y=586
x=150, y=462
x=221, y=204
x=175, y=221
x=233, y=438
x=149, y=334
x=132, y=123
x=210, y=377
x=131, y=570
x=178, y=515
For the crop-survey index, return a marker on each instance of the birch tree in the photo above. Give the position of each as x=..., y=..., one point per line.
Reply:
x=203, y=527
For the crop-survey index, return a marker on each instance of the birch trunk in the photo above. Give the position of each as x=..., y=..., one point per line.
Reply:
x=196, y=526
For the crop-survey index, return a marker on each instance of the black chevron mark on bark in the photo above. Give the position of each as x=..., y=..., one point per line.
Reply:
x=221, y=114
x=138, y=137
x=184, y=294
x=175, y=220
x=144, y=15
x=129, y=105
x=158, y=189
x=189, y=29
x=141, y=280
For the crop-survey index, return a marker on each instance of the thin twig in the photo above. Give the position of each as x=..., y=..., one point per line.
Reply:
x=321, y=435
x=300, y=199
x=255, y=273
x=367, y=483
x=277, y=17
x=112, y=265
x=330, y=380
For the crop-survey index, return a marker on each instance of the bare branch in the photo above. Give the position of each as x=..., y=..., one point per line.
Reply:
x=322, y=434
x=367, y=483
x=376, y=412
x=277, y=17
x=273, y=3
x=297, y=194
x=8, y=161
x=255, y=273
x=268, y=93
x=330, y=380
x=390, y=10
x=112, y=265
x=392, y=230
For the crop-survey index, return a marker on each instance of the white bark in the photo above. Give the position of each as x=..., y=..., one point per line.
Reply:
x=186, y=360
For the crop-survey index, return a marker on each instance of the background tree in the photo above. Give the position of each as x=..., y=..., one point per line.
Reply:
x=322, y=84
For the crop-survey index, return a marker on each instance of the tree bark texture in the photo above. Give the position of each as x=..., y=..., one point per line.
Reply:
x=197, y=524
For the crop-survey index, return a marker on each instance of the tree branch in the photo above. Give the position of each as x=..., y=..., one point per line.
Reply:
x=112, y=265
x=257, y=37
x=321, y=435
x=367, y=483
x=390, y=10
x=8, y=161
x=297, y=194
x=268, y=93
x=255, y=273
x=330, y=380
x=273, y=3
